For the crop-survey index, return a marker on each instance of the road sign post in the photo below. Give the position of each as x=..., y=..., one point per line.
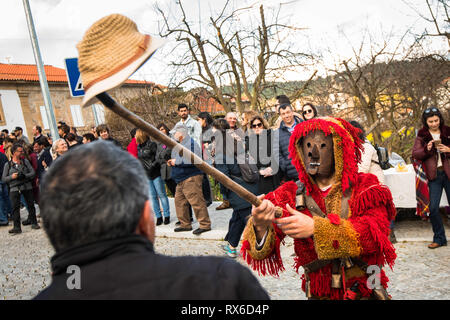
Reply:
x=74, y=77
x=75, y=83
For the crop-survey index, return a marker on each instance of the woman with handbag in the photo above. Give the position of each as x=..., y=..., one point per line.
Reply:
x=147, y=150
x=205, y=120
x=226, y=162
x=263, y=148
x=432, y=147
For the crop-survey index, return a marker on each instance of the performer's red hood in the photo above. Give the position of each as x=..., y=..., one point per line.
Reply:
x=347, y=150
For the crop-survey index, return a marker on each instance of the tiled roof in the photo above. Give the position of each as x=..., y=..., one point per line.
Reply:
x=28, y=72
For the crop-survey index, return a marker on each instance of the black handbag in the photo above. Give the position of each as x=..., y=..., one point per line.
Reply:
x=249, y=169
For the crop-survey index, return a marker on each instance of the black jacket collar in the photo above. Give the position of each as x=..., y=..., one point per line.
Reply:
x=91, y=252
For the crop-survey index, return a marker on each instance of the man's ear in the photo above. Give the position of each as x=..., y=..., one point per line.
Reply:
x=146, y=225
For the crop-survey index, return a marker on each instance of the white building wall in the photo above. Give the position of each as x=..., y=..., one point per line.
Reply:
x=12, y=111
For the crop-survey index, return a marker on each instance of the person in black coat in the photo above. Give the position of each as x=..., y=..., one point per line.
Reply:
x=147, y=154
x=164, y=153
x=18, y=174
x=206, y=120
x=262, y=145
x=5, y=203
x=44, y=157
x=77, y=137
x=285, y=130
x=226, y=154
x=113, y=258
x=72, y=141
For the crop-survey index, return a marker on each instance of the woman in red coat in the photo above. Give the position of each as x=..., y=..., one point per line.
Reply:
x=132, y=147
x=432, y=147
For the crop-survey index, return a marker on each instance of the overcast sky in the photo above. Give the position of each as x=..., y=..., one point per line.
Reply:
x=60, y=24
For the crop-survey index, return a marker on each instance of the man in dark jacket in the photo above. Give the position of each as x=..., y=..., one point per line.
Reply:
x=18, y=174
x=78, y=138
x=286, y=128
x=63, y=130
x=114, y=257
x=189, y=184
x=20, y=136
x=44, y=157
x=37, y=133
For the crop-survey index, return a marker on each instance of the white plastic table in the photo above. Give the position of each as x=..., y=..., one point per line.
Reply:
x=403, y=187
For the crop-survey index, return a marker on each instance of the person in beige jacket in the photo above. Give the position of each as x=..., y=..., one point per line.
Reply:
x=369, y=157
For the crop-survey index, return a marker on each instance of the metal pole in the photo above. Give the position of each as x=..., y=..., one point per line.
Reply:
x=41, y=72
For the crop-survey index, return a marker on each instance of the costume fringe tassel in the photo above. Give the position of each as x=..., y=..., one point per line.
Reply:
x=271, y=265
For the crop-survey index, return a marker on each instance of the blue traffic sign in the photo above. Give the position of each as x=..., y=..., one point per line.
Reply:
x=74, y=77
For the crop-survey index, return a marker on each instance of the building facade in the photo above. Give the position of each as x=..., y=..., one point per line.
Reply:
x=22, y=102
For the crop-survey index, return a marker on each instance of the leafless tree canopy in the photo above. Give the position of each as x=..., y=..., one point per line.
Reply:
x=241, y=58
x=437, y=14
x=235, y=61
x=388, y=89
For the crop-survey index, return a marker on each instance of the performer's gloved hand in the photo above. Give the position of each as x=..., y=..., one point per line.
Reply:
x=263, y=216
x=298, y=225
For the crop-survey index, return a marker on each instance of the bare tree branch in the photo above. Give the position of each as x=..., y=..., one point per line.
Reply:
x=231, y=56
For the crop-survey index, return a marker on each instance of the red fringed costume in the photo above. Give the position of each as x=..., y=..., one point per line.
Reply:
x=360, y=233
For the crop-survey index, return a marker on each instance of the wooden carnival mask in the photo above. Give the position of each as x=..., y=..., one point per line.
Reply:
x=318, y=154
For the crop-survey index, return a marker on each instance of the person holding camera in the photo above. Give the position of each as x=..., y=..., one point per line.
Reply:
x=432, y=149
x=18, y=174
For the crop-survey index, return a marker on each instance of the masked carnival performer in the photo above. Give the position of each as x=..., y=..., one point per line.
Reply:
x=341, y=219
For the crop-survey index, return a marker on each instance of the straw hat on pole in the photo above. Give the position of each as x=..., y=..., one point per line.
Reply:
x=111, y=50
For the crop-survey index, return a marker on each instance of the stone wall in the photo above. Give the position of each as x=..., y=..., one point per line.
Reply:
x=31, y=98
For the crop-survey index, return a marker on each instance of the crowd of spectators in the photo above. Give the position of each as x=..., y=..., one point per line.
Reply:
x=208, y=138
x=24, y=162
x=220, y=142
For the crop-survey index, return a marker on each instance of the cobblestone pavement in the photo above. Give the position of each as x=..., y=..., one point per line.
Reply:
x=419, y=273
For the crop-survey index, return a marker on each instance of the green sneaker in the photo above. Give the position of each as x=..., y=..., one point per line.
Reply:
x=231, y=252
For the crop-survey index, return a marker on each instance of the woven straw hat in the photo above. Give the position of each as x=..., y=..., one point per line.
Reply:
x=112, y=49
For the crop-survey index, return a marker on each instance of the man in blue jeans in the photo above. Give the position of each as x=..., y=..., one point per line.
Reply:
x=5, y=204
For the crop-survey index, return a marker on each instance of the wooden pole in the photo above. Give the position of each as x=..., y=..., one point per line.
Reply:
x=123, y=112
